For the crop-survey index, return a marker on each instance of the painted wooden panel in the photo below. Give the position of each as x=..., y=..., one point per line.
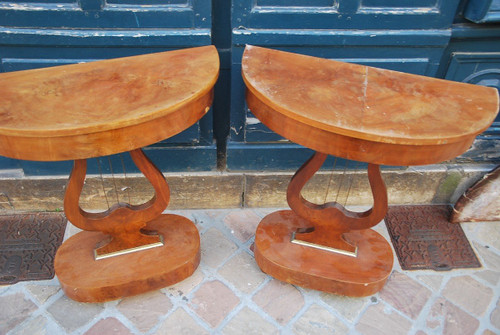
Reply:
x=41, y=33
x=480, y=69
x=148, y=2
x=401, y=35
x=473, y=55
x=296, y=3
x=107, y=14
x=343, y=14
x=483, y=11
x=167, y=158
x=399, y=3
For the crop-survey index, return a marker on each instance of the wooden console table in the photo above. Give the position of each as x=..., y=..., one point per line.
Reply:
x=358, y=113
x=75, y=112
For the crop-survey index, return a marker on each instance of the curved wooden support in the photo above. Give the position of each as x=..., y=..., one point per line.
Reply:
x=330, y=220
x=123, y=222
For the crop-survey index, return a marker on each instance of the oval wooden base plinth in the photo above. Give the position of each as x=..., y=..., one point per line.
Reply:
x=319, y=269
x=87, y=280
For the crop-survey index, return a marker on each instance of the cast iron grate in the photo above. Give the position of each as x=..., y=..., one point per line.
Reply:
x=424, y=239
x=28, y=245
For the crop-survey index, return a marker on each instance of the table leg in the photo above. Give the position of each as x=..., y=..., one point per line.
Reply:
x=128, y=249
x=326, y=247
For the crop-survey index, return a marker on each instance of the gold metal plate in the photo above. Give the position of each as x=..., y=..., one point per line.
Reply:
x=325, y=248
x=160, y=243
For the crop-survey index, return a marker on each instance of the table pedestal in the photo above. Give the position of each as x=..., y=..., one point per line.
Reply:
x=127, y=250
x=326, y=247
x=360, y=113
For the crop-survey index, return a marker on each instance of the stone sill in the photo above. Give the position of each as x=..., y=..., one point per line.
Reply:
x=439, y=184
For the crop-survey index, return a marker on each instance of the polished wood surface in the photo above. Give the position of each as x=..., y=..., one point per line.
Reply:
x=101, y=108
x=363, y=113
x=86, y=280
x=122, y=222
x=332, y=220
x=360, y=113
x=341, y=254
x=318, y=269
x=105, y=107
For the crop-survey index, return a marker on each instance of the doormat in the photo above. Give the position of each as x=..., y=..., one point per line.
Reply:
x=424, y=239
x=28, y=245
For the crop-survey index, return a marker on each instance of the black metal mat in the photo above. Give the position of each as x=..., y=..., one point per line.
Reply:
x=424, y=239
x=28, y=244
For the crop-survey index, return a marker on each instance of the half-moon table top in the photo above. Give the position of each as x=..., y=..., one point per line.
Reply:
x=364, y=113
x=104, y=107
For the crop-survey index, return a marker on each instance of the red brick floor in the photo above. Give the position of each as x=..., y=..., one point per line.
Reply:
x=228, y=294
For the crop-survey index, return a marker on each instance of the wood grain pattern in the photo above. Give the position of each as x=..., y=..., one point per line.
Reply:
x=330, y=221
x=350, y=110
x=101, y=108
x=318, y=269
x=122, y=222
x=86, y=280
x=360, y=113
x=105, y=107
x=353, y=148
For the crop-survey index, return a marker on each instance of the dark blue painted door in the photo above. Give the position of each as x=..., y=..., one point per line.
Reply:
x=428, y=37
x=46, y=33
x=402, y=35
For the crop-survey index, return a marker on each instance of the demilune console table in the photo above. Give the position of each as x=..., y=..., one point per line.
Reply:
x=359, y=113
x=79, y=111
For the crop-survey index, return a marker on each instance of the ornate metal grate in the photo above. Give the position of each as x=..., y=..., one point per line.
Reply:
x=28, y=245
x=424, y=239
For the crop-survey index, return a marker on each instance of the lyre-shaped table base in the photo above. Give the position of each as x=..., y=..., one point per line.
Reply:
x=127, y=250
x=358, y=113
x=326, y=247
x=95, y=109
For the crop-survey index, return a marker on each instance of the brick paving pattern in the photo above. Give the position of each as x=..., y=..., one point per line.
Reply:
x=228, y=294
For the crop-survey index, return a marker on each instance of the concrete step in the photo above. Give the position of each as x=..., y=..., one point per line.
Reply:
x=437, y=184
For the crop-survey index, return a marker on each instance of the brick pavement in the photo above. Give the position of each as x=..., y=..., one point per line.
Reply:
x=228, y=294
